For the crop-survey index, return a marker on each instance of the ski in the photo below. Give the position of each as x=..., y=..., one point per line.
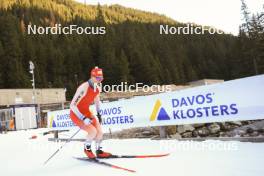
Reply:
x=136, y=156
x=132, y=156
x=96, y=161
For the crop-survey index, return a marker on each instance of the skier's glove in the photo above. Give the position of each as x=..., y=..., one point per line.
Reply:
x=88, y=121
x=99, y=116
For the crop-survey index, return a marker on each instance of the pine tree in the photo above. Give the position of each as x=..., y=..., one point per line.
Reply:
x=251, y=31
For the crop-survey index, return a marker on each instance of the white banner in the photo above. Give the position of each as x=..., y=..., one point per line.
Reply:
x=60, y=119
x=241, y=99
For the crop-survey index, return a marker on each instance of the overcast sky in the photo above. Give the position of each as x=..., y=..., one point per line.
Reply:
x=222, y=14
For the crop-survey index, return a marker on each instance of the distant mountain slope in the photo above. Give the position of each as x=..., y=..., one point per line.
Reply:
x=68, y=10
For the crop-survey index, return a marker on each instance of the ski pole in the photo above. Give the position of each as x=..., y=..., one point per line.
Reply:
x=61, y=147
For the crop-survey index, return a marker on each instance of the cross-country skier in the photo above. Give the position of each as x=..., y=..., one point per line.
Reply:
x=86, y=94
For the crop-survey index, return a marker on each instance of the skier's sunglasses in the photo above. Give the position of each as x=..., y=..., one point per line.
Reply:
x=99, y=78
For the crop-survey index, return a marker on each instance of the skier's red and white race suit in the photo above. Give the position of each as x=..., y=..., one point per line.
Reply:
x=79, y=108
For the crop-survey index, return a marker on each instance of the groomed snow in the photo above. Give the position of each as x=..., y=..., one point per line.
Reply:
x=20, y=155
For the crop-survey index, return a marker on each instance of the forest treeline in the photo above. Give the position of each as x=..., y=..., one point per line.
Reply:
x=132, y=49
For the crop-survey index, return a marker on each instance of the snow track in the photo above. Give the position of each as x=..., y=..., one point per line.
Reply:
x=20, y=155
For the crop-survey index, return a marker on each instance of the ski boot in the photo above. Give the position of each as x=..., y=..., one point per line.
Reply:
x=89, y=153
x=101, y=154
